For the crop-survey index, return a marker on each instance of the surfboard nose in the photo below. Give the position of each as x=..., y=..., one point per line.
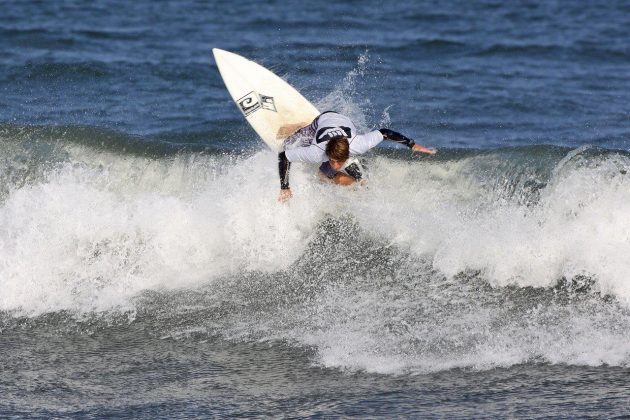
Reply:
x=267, y=101
x=220, y=54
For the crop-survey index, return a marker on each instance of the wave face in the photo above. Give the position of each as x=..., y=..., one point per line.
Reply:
x=469, y=259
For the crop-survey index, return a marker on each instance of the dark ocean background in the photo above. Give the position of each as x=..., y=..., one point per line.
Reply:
x=147, y=270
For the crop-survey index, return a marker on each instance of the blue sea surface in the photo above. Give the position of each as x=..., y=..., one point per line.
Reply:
x=147, y=269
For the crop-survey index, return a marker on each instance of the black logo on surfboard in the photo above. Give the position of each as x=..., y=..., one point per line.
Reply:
x=252, y=102
x=267, y=103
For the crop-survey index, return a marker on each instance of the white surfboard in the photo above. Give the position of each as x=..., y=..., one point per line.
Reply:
x=272, y=107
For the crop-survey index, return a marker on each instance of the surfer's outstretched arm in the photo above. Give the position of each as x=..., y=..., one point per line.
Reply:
x=364, y=142
x=283, y=168
x=401, y=139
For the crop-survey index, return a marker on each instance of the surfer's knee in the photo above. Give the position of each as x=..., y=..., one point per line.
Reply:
x=343, y=179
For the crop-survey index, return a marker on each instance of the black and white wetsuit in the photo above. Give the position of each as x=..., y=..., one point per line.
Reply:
x=308, y=144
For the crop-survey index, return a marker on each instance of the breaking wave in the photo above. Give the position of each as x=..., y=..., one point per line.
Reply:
x=466, y=259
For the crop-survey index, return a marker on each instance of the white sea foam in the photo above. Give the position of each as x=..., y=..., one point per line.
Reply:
x=579, y=227
x=132, y=223
x=92, y=230
x=91, y=236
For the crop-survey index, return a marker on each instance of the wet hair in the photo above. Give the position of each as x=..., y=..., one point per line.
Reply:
x=338, y=148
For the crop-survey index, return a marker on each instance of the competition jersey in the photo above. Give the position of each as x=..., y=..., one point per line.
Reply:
x=309, y=143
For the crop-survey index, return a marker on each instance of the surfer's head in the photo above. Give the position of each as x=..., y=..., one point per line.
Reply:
x=338, y=151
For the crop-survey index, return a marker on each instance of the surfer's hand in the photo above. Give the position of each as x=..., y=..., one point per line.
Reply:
x=285, y=195
x=422, y=149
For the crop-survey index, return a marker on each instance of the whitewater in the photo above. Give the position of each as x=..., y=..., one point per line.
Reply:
x=470, y=259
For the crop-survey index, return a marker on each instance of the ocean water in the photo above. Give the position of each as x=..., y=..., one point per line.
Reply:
x=147, y=270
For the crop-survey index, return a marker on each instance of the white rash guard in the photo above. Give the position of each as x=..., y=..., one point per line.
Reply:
x=309, y=143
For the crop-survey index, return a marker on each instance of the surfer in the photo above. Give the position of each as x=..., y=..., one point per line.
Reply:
x=331, y=139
